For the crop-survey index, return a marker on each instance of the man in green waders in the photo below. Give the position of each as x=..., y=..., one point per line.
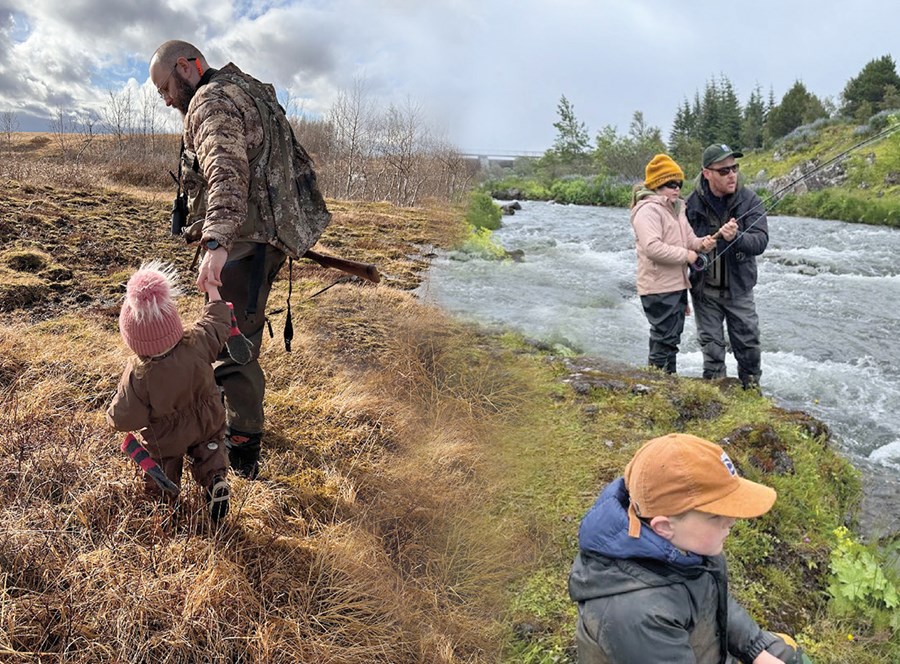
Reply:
x=252, y=201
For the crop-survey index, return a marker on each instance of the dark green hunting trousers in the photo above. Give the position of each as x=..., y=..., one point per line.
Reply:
x=245, y=385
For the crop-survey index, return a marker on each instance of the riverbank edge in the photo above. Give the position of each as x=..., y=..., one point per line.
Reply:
x=596, y=404
x=834, y=204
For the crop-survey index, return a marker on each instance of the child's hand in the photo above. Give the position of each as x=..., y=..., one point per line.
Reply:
x=212, y=292
x=767, y=658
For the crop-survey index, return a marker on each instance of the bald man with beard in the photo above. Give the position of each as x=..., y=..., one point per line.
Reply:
x=253, y=202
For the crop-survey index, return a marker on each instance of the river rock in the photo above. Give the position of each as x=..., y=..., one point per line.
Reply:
x=879, y=512
x=510, y=208
x=892, y=178
x=516, y=255
x=581, y=387
x=831, y=176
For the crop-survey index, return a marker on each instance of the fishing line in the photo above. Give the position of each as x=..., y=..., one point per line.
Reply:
x=703, y=260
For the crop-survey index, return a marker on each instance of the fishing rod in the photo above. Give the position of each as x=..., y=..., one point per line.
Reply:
x=703, y=261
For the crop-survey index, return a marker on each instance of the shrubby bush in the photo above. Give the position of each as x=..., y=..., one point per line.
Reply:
x=861, y=587
x=480, y=243
x=827, y=204
x=805, y=135
x=882, y=119
x=483, y=212
x=571, y=189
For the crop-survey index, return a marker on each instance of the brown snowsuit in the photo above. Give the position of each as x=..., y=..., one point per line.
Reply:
x=175, y=400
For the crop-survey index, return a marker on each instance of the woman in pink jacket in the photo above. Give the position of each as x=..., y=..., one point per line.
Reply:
x=666, y=246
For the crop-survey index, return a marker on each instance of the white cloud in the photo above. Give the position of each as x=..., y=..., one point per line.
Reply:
x=490, y=71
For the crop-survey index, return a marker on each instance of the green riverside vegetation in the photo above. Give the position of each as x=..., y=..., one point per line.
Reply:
x=796, y=569
x=867, y=192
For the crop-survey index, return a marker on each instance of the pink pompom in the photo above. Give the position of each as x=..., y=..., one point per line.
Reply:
x=149, y=320
x=150, y=291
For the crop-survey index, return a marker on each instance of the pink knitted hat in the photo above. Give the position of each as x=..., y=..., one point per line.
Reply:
x=149, y=321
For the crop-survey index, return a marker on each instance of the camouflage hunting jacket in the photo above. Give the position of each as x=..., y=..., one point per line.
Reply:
x=245, y=176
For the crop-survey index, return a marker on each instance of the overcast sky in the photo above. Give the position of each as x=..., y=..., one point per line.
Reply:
x=489, y=73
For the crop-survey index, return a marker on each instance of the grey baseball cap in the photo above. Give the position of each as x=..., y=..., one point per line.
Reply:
x=718, y=152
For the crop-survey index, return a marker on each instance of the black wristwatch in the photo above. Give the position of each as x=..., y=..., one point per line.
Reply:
x=212, y=244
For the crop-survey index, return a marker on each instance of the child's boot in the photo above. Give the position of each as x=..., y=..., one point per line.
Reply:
x=218, y=496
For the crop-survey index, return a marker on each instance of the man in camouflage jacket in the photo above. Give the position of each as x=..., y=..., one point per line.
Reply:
x=252, y=202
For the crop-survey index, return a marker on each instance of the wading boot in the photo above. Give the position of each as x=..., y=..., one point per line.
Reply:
x=243, y=453
x=751, y=384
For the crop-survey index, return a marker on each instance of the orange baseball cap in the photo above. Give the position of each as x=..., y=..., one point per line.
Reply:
x=678, y=472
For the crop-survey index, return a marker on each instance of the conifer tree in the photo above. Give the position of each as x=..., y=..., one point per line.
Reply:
x=728, y=126
x=870, y=85
x=753, y=121
x=680, y=125
x=684, y=146
x=708, y=125
x=797, y=107
x=572, y=140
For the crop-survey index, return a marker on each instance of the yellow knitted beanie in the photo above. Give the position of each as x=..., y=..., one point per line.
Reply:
x=661, y=169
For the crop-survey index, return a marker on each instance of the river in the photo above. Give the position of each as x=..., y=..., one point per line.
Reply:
x=828, y=299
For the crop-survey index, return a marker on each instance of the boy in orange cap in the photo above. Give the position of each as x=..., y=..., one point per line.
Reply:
x=650, y=579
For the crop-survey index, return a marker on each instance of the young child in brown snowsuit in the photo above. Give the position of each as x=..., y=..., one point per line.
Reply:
x=168, y=389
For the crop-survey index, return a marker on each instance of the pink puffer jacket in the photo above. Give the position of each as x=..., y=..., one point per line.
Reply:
x=664, y=237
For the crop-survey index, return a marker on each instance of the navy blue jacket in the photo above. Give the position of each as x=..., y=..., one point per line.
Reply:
x=740, y=258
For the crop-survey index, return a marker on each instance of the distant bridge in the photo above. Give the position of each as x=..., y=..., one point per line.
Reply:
x=502, y=158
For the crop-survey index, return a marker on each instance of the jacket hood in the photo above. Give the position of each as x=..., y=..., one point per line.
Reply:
x=646, y=196
x=604, y=530
x=610, y=562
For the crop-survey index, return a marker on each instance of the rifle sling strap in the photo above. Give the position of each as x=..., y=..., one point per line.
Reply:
x=288, y=323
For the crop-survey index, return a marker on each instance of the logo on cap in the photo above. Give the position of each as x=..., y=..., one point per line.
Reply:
x=727, y=461
x=725, y=148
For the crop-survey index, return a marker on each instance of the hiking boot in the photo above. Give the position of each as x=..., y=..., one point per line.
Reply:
x=243, y=453
x=218, y=496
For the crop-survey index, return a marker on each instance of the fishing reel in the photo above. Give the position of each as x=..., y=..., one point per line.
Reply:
x=702, y=262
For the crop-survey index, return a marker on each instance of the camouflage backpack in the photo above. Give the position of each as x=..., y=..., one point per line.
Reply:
x=285, y=205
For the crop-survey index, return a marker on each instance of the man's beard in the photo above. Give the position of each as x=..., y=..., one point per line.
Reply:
x=184, y=92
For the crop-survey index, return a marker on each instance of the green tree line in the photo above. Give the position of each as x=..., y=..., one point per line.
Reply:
x=579, y=169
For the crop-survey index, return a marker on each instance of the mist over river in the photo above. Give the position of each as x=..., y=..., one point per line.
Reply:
x=828, y=299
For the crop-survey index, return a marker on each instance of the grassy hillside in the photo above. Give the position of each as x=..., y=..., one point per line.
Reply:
x=869, y=193
x=422, y=480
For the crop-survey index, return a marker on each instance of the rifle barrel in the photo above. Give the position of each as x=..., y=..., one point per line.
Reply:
x=365, y=271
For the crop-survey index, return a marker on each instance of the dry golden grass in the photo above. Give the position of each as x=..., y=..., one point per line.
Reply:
x=358, y=544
